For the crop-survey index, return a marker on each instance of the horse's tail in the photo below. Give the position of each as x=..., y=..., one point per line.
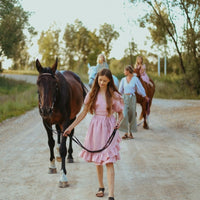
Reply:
x=85, y=90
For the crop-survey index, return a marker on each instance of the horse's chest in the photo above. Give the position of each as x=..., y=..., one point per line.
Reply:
x=56, y=117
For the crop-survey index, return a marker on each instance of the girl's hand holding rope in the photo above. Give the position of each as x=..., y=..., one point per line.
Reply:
x=117, y=125
x=67, y=132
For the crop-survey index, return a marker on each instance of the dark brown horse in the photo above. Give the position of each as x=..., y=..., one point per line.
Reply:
x=150, y=90
x=60, y=98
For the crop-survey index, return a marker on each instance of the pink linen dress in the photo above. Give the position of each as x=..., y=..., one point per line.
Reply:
x=143, y=74
x=99, y=131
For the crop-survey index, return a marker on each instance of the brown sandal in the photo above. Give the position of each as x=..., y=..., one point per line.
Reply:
x=100, y=192
x=125, y=136
x=130, y=136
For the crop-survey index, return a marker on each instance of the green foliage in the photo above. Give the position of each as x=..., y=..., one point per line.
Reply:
x=1, y=69
x=84, y=46
x=172, y=87
x=16, y=97
x=162, y=23
x=13, y=21
x=76, y=39
x=106, y=35
x=49, y=46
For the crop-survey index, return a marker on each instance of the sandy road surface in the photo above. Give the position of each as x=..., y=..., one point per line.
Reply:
x=162, y=163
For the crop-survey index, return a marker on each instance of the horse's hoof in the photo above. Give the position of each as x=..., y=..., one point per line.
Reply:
x=58, y=159
x=70, y=160
x=63, y=184
x=146, y=127
x=52, y=171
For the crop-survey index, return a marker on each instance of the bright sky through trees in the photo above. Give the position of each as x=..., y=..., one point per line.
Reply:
x=92, y=13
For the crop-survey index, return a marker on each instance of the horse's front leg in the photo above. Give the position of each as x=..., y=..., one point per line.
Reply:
x=63, y=152
x=58, y=157
x=51, y=143
x=70, y=158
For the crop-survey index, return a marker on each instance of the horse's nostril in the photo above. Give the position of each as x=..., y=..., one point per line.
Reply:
x=41, y=111
x=49, y=110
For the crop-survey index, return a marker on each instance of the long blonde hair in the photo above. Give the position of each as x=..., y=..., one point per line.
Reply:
x=136, y=62
x=98, y=58
x=111, y=88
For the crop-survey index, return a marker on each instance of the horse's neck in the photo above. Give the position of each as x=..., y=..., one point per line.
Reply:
x=92, y=73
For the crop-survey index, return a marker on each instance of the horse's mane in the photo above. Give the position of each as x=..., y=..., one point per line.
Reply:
x=61, y=76
x=64, y=89
x=85, y=90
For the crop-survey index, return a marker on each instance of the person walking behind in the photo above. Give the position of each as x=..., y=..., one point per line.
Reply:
x=101, y=62
x=128, y=86
x=102, y=101
x=142, y=67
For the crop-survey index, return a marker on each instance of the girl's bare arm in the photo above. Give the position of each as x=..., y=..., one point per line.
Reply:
x=120, y=117
x=80, y=117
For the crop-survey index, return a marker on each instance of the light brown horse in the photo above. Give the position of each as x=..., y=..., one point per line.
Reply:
x=141, y=100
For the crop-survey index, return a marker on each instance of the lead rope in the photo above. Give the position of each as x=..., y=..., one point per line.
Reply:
x=110, y=139
x=77, y=141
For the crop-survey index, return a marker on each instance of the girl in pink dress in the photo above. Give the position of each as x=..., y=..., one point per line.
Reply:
x=102, y=101
x=143, y=74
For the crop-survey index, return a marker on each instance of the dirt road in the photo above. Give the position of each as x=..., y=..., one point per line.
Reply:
x=162, y=163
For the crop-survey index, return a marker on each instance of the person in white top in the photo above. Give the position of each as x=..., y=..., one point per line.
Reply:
x=128, y=86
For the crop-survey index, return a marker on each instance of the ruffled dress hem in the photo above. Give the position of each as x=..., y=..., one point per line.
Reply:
x=109, y=155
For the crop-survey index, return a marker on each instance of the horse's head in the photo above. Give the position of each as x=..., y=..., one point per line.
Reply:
x=92, y=71
x=47, y=88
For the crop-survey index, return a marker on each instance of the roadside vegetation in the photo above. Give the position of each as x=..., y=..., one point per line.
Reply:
x=172, y=87
x=78, y=46
x=16, y=98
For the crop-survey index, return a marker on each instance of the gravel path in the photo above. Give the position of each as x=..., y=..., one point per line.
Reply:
x=162, y=163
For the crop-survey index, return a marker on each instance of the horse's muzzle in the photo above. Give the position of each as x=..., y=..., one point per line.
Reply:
x=45, y=112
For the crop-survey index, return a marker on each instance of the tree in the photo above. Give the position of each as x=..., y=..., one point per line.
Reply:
x=96, y=47
x=162, y=24
x=131, y=51
x=76, y=39
x=21, y=58
x=81, y=45
x=106, y=35
x=49, y=46
x=13, y=22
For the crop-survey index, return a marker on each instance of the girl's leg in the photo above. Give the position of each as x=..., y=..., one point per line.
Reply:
x=132, y=116
x=124, y=123
x=100, y=175
x=111, y=178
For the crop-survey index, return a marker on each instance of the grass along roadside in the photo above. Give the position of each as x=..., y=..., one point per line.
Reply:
x=172, y=87
x=16, y=97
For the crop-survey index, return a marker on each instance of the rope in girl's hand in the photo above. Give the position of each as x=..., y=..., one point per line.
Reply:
x=110, y=139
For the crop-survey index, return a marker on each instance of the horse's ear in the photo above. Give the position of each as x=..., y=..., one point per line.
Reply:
x=39, y=66
x=54, y=67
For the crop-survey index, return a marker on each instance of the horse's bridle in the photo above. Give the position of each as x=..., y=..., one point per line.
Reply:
x=55, y=94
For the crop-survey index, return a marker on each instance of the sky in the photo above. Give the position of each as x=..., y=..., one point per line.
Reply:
x=92, y=13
